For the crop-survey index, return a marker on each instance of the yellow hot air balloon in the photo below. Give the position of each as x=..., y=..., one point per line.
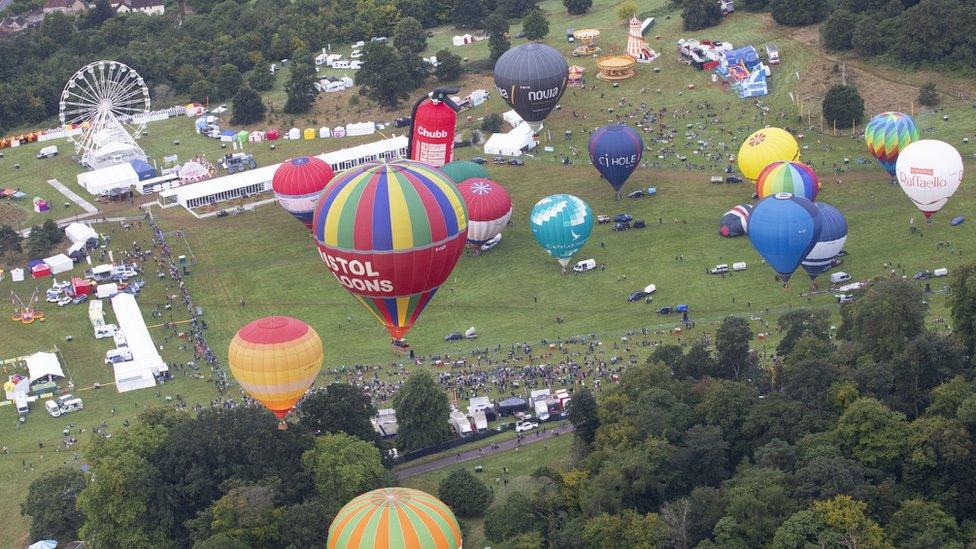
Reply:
x=764, y=147
x=276, y=360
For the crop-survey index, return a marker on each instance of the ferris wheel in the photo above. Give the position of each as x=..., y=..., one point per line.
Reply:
x=109, y=101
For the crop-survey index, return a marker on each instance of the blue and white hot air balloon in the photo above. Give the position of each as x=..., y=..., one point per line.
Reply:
x=615, y=151
x=561, y=224
x=784, y=228
x=833, y=236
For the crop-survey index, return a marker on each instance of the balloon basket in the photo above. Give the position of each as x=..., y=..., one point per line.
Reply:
x=282, y=425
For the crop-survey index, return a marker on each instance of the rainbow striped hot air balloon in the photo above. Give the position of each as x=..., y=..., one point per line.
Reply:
x=395, y=518
x=391, y=233
x=887, y=135
x=297, y=184
x=795, y=178
x=276, y=359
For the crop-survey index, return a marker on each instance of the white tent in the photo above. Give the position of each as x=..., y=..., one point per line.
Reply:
x=192, y=171
x=43, y=365
x=512, y=118
x=79, y=233
x=360, y=128
x=511, y=143
x=324, y=132
x=145, y=354
x=59, y=263
x=338, y=131
x=294, y=133
x=457, y=40
x=132, y=375
x=105, y=179
x=17, y=275
x=255, y=136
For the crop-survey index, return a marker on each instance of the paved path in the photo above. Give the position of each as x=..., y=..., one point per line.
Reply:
x=85, y=205
x=482, y=451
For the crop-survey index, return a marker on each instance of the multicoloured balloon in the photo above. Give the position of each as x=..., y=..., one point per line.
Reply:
x=833, y=236
x=887, y=135
x=616, y=151
x=561, y=224
x=391, y=233
x=531, y=78
x=489, y=208
x=929, y=172
x=764, y=147
x=276, y=360
x=297, y=184
x=735, y=222
x=395, y=518
x=795, y=178
x=459, y=170
x=784, y=228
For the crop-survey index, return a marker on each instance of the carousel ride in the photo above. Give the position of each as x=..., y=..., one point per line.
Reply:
x=586, y=37
x=615, y=67
x=25, y=313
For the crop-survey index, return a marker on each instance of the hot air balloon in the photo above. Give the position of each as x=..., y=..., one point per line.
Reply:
x=561, y=224
x=735, y=222
x=833, y=236
x=929, y=172
x=615, y=151
x=297, y=184
x=276, y=359
x=795, y=178
x=391, y=233
x=887, y=135
x=489, y=208
x=784, y=228
x=395, y=518
x=459, y=170
x=531, y=78
x=764, y=147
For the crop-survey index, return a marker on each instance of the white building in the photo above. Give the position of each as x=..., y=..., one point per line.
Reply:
x=146, y=364
x=105, y=179
x=513, y=143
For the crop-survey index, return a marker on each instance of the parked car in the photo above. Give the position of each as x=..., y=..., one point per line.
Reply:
x=222, y=213
x=639, y=224
x=622, y=218
x=664, y=311
x=844, y=298
x=402, y=122
x=639, y=193
x=430, y=34
x=520, y=34
x=733, y=179
x=498, y=160
x=479, y=160
x=719, y=269
x=516, y=162
x=492, y=242
x=637, y=296
x=620, y=227
x=523, y=426
x=603, y=219
x=454, y=336
x=221, y=109
x=80, y=299
x=64, y=301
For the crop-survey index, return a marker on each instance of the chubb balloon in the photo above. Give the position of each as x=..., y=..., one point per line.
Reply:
x=616, y=151
x=784, y=228
x=489, y=208
x=833, y=236
x=764, y=147
x=531, y=78
x=929, y=172
x=795, y=178
x=297, y=184
x=561, y=224
x=887, y=135
x=391, y=233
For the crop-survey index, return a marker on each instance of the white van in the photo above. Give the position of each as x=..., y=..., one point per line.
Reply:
x=585, y=265
x=73, y=405
x=650, y=289
x=105, y=330
x=20, y=401
x=720, y=269
x=940, y=272
x=740, y=266
x=494, y=241
x=48, y=152
x=120, y=354
x=52, y=408
x=837, y=278
x=106, y=290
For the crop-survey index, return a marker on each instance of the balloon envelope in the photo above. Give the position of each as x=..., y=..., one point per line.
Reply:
x=795, y=178
x=887, y=135
x=833, y=236
x=735, y=222
x=929, y=172
x=459, y=170
x=297, y=184
x=615, y=151
x=784, y=228
x=561, y=224
x=276, y=359
x=489, y=208
x=395, y=518
x=764, y=147
x=531, y=78
x=391, y=233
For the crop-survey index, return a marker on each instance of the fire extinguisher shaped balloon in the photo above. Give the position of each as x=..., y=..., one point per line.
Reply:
x=432, y=128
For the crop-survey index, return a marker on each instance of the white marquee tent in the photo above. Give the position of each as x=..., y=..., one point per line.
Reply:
x=105, y=179
x=80, y=233
x=146, y=362
x=43, y=365
x=59, y=264
x=511, y=143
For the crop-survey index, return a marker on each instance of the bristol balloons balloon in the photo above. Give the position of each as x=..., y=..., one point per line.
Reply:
x=297, y=184
x=833, y=236
x=929, y=172
x=615, y=151
x=459, y=170
x=489, y=208
x=531, y=78
x=887, y=135
x=276, y=360
x=795, y=178
x=735, y=222
x=764, y=147
x=561, y=224
x=784, y=228
x=391, y=233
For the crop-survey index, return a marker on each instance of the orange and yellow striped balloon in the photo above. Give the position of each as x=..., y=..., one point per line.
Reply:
x=276, y=360
x=395, y=518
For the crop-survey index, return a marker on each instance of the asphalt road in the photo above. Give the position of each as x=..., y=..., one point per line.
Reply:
x=482, y=451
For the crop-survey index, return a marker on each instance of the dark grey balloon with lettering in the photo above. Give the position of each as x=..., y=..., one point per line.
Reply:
x=531, y=78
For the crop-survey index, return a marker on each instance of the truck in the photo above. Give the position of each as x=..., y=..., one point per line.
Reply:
x=238, y=162
x=119, y=354
x=48, y=152
x=772, y=54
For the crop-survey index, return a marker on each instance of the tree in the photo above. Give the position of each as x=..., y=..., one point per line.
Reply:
x=409, y=36
x=261, y=78
x=301, y=524
x=101, y=12
x=920, y=524
x=799, y=323
x=577, y=7
x=583, y=415
x=300, y=88
x=776, y=454
x=247, y=515
x=700, y=14
x=872, y=434
x=498, y=42
x=228, y=81
x=422, y=413
x=838, y=522
x=468, y=14
x=464, y=493
x=732, y=344
x=38, y=242
x=949, y=396
x=448, y=67
x=758, y=502
x=514, y=517
x=754, y=5
x=60, y=27
x=962, y=304
x=10, y=241
x=869, y=36
x=50, y=503
x=535, y=25
x=343, y=467
x=248, y=107
x=702, y=459
x=727, y=404
x=889, y=314
x=837, y=32
x=384, y=77
x=929, y=360
x=492, y=123
x=697, y=363
x=339, y=408
x=798, y=13
x=202, y=90
x=928, y=96
x=843, y=106
x=824, y=477
x=628, y=529
x=626, y=10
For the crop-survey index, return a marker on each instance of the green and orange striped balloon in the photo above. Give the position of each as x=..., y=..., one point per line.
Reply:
x=395, y=518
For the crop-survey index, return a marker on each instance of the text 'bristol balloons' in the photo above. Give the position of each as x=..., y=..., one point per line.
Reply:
x=297, y=184
x=459, y=170
x=615, y=151
x=395, y=518
x=391, y=233
x=735, y=222
x=833, y=236
x=531, y=78
x=561, y=224
x=887, y=135
x=276, y=360
x=489, y=208
x=764, y=147
x=929, y=172
x=795, y=178
x=784, y=228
